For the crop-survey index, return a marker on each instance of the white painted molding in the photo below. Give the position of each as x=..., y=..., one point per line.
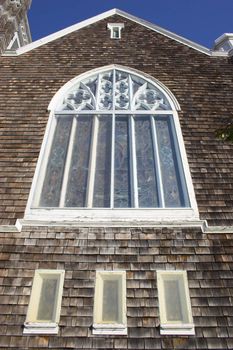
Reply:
x=202, y=224
x=109, y=330
x=223, y=37
x=107, y=14
x=114, y=26
x=114, y=223
x=40, y=328
x=17, y=227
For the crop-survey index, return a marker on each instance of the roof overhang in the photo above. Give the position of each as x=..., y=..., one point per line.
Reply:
x=107, y=14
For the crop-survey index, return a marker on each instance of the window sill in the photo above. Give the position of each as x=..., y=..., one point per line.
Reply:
x=122, y=216
x=109, y=329
x=177, y=329
x=40, y=328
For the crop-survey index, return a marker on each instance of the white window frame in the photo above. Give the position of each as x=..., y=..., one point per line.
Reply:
x=32, y=325
x=115, y=27
x=120, y=216
x=175, y=328
x=99, y=327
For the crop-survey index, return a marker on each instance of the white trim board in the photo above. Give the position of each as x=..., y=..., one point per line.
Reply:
x=202, y=224
x=110, y=13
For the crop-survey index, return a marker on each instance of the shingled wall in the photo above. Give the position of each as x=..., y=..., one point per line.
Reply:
x=203, y=86
x=206, y=257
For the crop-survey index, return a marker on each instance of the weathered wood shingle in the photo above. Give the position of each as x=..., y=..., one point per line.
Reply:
x=210, y=281
x=201, y=84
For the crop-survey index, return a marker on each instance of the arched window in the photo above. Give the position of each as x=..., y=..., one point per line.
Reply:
x=112, y=143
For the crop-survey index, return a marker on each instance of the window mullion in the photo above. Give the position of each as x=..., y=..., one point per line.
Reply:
x=112, y=162
x=157, y=164
x=92, y=163
x=113, y=141
x=98, y=92
x=130, y=84
x=67, y=163
x=133, y=164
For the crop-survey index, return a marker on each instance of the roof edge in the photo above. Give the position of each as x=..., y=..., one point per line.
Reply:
x=65, y=31
x=107, y=14
x=165, y=32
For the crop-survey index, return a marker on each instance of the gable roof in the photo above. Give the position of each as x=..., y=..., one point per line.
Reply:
x=107, y=14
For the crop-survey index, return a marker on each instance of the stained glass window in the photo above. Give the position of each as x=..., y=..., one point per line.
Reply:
x=114, y=146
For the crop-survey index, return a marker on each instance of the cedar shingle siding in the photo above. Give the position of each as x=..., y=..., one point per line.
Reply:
x=203, y=86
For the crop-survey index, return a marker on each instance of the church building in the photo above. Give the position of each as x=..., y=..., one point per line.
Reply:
x=116, y=186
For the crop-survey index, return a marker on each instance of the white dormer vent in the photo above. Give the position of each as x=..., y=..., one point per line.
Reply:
x=224, y=43
x=115, y=30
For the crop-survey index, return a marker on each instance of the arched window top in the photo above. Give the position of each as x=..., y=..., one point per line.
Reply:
x=113, y=141
x=113, y=88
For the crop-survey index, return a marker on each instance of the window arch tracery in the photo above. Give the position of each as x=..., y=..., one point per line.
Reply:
x=113, y=144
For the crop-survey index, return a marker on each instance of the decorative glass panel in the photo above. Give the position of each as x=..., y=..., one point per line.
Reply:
x=78, y=172
x=47, y=299
x=122, y=170
x=50, y=194
x=140, y=167
x=173, y=192
x=122, y=91
x=130, y=91
x=105, y=90
x=110, y=301
x=103, y=163
x=146, y=173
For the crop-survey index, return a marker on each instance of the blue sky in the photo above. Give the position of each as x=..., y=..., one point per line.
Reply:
x=201, y=21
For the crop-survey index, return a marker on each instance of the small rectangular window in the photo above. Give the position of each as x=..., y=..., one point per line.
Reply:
x=115, y=30
x=174, y=303
x=45, y=302
x=110, y=303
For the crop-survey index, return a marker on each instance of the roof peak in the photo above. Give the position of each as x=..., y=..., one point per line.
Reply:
x=109, y=13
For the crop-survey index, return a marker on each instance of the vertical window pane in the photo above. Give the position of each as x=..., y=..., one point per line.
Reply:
x=147, y=186
x=103, y=163
x=110, y=312
x=172, y=300
x=50, y=194
x=173, y=192
x=122, y=171
x=78, y=173
x=47, y=302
